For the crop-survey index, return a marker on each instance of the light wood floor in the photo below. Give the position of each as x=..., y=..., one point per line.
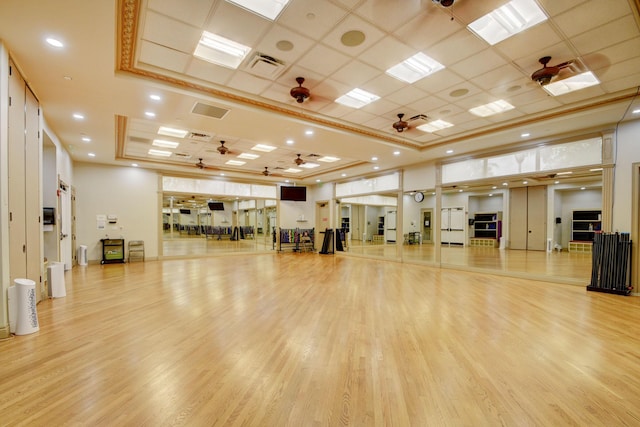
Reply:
x=308, y=339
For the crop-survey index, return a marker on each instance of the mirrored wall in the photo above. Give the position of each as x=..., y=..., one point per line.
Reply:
x=196, y=225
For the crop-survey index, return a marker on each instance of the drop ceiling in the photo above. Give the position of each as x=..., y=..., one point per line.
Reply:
x=118, y=53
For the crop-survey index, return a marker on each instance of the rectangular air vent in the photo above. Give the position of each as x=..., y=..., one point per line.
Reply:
x=183, y=156
x=197, y=136
x=265, y=66
x=209, y=110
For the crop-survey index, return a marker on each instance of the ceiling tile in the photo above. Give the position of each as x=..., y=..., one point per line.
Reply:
x=248, y=83
x=502, y=76
x=391, y=15
x=192, y=12
x=600, y=61
x=589, y=16
x=382, y=107
x=457, y=47
x=439, y=81
x=426, y=29
x=168, y=32
x=323, y=60
x=232, y=21
x=387, y=53
x=314, y=19
x=475, y=65
x=355, y=73
x=268, y=44
x=406, y=95
x=611, y=33
x=160, y=56
x=209, y=72
x=353, y=23
x=539, y=38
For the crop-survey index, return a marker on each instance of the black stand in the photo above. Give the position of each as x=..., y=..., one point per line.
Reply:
x=327, y=242
x=611, y=264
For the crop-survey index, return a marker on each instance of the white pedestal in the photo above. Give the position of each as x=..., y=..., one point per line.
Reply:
x=24, y=304
x=55, y=275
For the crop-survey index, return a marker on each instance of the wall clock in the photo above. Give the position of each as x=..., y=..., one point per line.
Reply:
x=418, y=197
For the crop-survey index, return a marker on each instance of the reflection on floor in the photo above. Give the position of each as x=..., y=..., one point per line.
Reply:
x=570, y=267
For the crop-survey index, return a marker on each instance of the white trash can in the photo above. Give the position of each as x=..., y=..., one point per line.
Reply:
x=55, y=275
x=82, y=255
x=25, y=307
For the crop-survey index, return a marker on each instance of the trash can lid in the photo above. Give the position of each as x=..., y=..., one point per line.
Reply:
x=24, y=282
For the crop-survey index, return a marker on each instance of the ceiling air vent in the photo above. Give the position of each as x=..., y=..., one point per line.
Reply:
x=209, y=110
x=196, y=136
x=183, y=156
x=265, y=66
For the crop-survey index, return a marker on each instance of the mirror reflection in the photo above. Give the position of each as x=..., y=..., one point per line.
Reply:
x=196, y=225
x=418, y=223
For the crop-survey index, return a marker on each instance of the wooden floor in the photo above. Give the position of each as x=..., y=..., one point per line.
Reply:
x=308, y=339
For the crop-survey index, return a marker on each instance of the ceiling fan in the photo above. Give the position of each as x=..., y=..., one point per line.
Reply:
x=222, y=149
x=298, y=161
x=299, y=92
x=202, y=165
x=402, y=125
x=267, y=172
x=544, y=75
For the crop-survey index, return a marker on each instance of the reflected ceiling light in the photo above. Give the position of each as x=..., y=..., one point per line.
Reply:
x=357, y=98
x=155, y=97
x=449, y=151
x=308, y=132
x=376, y=168
x=595, y=170
x=92, y=154
x=507, y=20
x=78, y=116
x=159, y=153
x=269, y=9
x=289, y=141
x=572, y=84
x=235, y=162
x=343, y=175
x=415, y=68
x=396, y=153
x=135, y=165
x=434, y=126
x=176, y=133
x=328, y=159
x=220, y=50
x=165, y=144
x=636, y=111
x=263, y=147
x=374, y=159
x=248, y=156
x=524, y=135
x=309, y=165
x=565, y=173
x=496, y=107
x=292, y=170
x=86, y=139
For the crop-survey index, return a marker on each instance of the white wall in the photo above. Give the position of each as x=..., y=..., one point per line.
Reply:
x=130, y=193
x=628, y=152
x=422, y=177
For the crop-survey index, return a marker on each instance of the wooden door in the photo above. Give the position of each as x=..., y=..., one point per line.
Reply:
x=16, y=177
x=518, y=228
x=537, y=218
x=33, y=206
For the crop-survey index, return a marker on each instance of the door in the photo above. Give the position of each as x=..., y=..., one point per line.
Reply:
x=527, y=218
x=65, y=225
x=537, y=218
x=391, y=227
x=426, y=225
x=518, y=229
x=452, y=225
x=16, y=177
x=74, y=247
x=322, y=220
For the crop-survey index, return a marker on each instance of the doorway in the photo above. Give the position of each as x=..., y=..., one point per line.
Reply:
x=528, y=218
x=427, y=223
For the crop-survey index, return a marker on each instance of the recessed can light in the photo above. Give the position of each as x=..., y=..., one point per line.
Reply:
x=92, y=154
x=78, y=116
x=54, y=42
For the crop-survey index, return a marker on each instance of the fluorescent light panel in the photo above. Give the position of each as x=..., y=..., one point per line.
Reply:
x=508, y=20
x=292, y=170
x=248, y=156
x=496, y=107
x=415, y=68
x=434, y=126
x=235, y=162
x=309, y=165
x=269, y=9
x=176, y=133
x=263, y=147
x=328, y=159
x=221, y=51
x=159, y=153
x=357, y=98
x=571, y=84
x=165, y=144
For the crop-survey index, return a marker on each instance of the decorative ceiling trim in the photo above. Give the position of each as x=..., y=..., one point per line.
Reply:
x=129, y=11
